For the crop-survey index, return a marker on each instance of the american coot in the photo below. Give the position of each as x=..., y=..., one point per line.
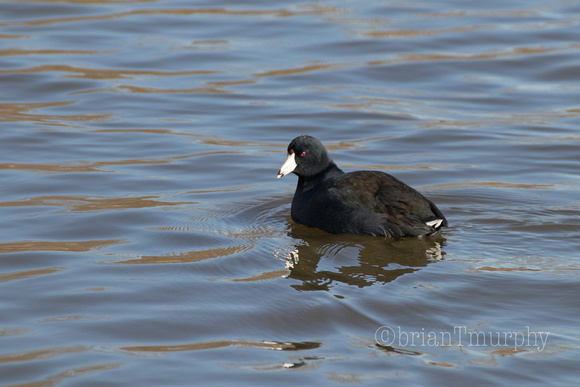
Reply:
x=361, y=202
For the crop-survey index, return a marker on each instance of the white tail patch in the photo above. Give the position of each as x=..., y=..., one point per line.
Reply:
x=434, y=223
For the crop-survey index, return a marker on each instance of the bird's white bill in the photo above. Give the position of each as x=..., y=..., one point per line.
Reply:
x=288, y=166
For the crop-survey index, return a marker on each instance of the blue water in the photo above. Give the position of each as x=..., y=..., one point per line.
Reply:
x=145, y=239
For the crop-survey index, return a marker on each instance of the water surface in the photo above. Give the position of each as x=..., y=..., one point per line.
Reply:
x=145, y=239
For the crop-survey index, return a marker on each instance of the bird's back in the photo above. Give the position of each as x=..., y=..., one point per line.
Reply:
x=368, y=203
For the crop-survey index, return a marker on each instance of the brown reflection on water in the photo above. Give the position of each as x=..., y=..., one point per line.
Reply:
x=17, y=51
x=507, y=119
x=274, y=345
x=6, y=332
x=464, y=14
x=207, y=139
x=406, y=167
x=5, y=36
x=404, y=58
x=263, y=276
x=299, y=70
x=75, y=246
x=379, y=260
x=74, y=317
x=489, y=268
x=311, y=68
x=483, y=12
x=231, y=83
x=203, y=42
x=137, y=89
x=87, y=166
x=141, y=130
x=190, y=256
x=306, y=10
x=491, y=359
x=440, y=364
x=512, y=52
x=29, y=274
x=350, y=106
x=413, y=33
x=487, y=184
x=80, y=72
x=42, y=354
x=84, y=204
x=71, y=373
x=371, y=23
x=12, y=112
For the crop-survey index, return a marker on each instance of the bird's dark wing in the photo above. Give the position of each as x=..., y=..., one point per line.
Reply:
x=390, y=206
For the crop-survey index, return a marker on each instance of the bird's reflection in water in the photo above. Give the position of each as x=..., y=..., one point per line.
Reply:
x=356, y=260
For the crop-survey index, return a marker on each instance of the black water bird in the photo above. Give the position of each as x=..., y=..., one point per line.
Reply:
x=361, y=202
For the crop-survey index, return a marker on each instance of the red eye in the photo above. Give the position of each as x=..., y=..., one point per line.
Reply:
x=303, y=154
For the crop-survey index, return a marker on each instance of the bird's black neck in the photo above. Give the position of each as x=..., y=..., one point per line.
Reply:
x=306, y=183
